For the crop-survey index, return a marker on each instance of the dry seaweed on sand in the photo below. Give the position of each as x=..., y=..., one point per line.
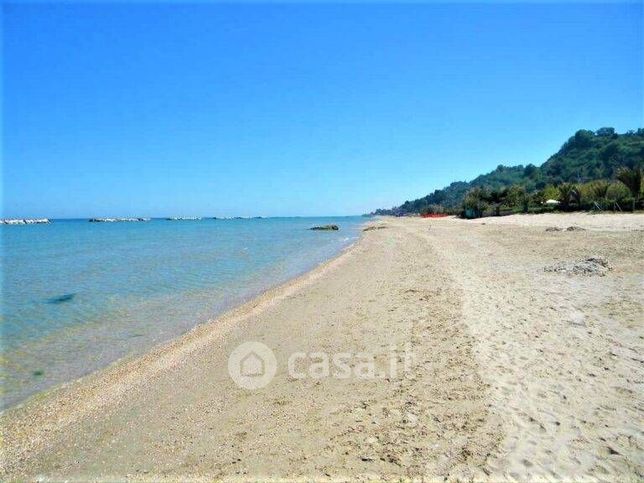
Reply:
x=375, y=227
x=570, y=228
x=586, y=266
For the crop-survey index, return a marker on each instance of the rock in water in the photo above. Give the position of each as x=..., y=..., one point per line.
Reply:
x=68, y=297
x=325, y=227
x=115, y=220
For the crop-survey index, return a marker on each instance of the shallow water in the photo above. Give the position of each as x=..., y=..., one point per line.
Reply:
x=78, y=295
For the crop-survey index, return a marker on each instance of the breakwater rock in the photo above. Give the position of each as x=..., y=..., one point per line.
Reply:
x=24, y=221
x=325, y=227
x=115, y=220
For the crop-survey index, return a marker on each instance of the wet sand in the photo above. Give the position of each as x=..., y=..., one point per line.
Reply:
x=515, y=372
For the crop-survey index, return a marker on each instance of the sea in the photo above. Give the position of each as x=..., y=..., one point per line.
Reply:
x=77, y=296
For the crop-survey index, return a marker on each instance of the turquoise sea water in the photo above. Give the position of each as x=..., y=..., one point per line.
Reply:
x=78, y=295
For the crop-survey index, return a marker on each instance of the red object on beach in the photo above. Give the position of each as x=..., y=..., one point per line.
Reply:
x=434, y=215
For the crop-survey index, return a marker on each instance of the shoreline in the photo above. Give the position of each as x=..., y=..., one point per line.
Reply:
x=518, y=373
x=37, y=409
x=78, y=321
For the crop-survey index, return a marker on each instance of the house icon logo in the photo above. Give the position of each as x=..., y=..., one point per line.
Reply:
x=252, y=365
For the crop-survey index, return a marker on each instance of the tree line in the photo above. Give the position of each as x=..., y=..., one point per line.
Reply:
x=583, y=174
x=623, y=193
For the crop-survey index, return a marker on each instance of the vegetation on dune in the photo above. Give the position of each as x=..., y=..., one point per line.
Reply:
x=632, y=179
x=592, y=170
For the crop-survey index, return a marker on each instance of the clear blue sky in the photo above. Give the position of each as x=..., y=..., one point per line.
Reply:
x=258, y=109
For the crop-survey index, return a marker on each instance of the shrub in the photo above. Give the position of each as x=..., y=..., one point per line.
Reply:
x=632, y=179
x=618, y=193
x=593, y=194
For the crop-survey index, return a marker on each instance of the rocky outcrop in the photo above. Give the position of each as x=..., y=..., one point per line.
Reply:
x=183, y=218
x=325, y=227
x=60, y=299
x=24, y=221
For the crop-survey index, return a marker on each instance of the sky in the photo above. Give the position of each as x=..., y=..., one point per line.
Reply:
x=161, y=109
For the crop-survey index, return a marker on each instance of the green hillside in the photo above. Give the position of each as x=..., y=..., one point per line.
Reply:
x=586, y=156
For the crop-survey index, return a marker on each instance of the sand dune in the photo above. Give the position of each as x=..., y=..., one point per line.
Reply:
x=504, y=370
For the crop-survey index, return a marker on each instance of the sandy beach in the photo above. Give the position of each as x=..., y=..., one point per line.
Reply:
x=515, y=358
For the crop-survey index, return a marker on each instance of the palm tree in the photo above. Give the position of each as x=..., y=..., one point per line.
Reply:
x=632, y=178
x=599, y=192
x=600, y=189
x=568, y=195
x=497, y=197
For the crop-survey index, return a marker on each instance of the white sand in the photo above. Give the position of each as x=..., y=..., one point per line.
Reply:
x=518, y=372
x=590, y=221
